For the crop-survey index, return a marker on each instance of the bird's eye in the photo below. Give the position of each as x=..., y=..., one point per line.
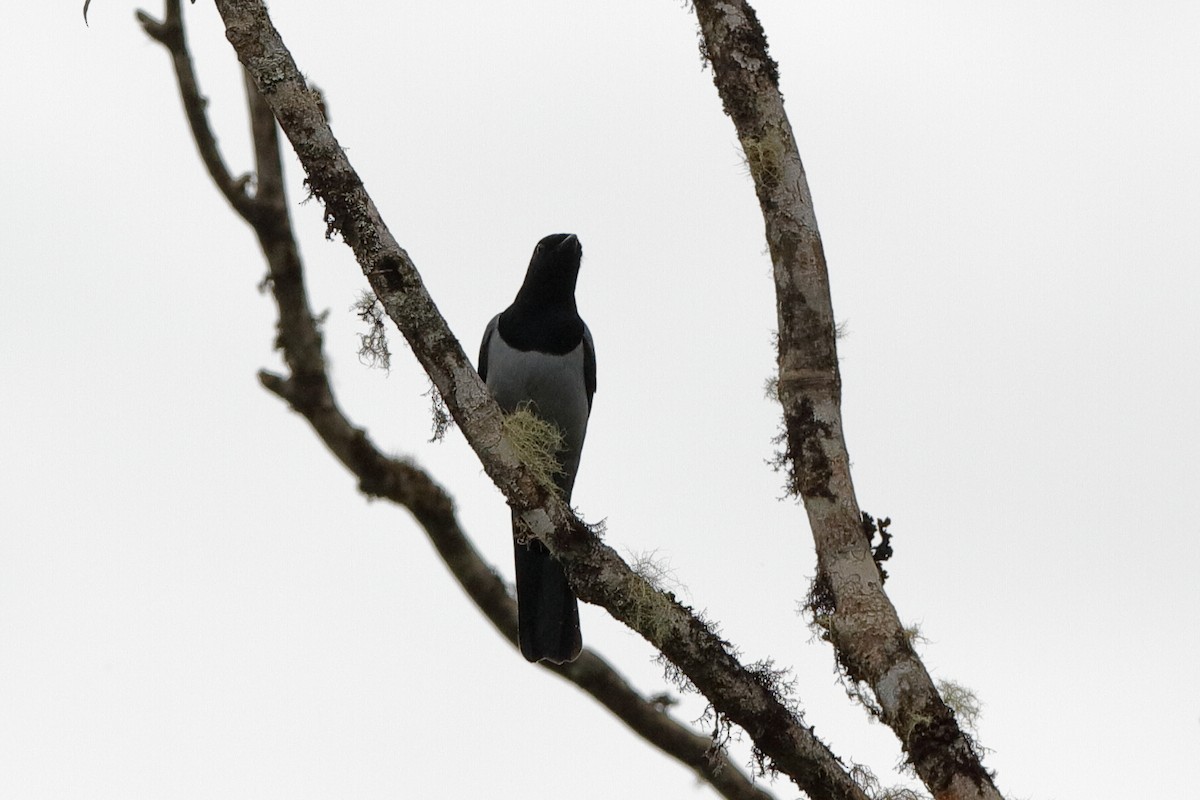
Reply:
x=539, y=248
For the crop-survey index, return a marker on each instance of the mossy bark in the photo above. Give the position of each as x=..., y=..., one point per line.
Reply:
x=860, y=621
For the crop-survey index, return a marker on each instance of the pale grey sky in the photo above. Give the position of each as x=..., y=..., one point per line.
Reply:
x=195, y=602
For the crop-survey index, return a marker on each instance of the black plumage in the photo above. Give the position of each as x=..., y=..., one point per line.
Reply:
x=539, y=351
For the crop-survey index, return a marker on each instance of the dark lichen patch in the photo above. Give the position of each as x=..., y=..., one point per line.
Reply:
x=778, y=681
x=820, y=605
x=943, y=751
x=801, y=454
x=740, y=53
x=883, y=550
x=753, y=40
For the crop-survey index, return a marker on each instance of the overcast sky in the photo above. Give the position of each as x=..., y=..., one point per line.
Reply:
x=196, y=603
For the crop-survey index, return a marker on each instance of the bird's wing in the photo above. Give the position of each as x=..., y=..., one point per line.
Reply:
x=488, y=332
x=589, y=365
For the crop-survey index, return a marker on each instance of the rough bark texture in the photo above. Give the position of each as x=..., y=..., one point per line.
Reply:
x=862, y=624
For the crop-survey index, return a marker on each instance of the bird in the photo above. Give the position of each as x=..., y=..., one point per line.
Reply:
x=538, y=352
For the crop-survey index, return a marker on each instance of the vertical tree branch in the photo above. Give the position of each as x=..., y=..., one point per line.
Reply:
x=862, y=623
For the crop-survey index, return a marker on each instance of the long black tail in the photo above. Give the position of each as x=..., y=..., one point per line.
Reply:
x=547, y=611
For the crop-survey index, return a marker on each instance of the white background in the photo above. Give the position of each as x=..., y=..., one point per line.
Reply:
x=196, y=603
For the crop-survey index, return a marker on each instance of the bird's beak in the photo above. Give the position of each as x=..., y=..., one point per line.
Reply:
x=570, y=243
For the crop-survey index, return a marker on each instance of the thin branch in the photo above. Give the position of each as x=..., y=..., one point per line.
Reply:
x=310, y=394
x=169, y=33
x=596, y=572
x=848, y=591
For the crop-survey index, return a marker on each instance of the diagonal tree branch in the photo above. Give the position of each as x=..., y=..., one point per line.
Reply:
x=307, y=390
x=746, y=697
x=848, y=594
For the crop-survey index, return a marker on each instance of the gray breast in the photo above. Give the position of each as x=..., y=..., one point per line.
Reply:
x=553, y=384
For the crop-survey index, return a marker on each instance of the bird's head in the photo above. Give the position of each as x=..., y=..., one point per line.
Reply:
x=554, y=267
x=558, y=251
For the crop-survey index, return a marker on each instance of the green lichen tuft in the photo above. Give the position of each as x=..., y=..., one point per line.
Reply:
x=536, y=442
x=963, y=702
x=765, y=156
x=650, y=611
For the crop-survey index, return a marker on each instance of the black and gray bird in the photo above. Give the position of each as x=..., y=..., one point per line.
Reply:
x=539, y=351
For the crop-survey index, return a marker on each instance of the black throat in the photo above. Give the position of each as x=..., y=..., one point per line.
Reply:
x=543, y=317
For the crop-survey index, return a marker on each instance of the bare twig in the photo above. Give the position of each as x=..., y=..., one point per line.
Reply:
x=848, y=591
x=169, y=33
x=87, y=3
